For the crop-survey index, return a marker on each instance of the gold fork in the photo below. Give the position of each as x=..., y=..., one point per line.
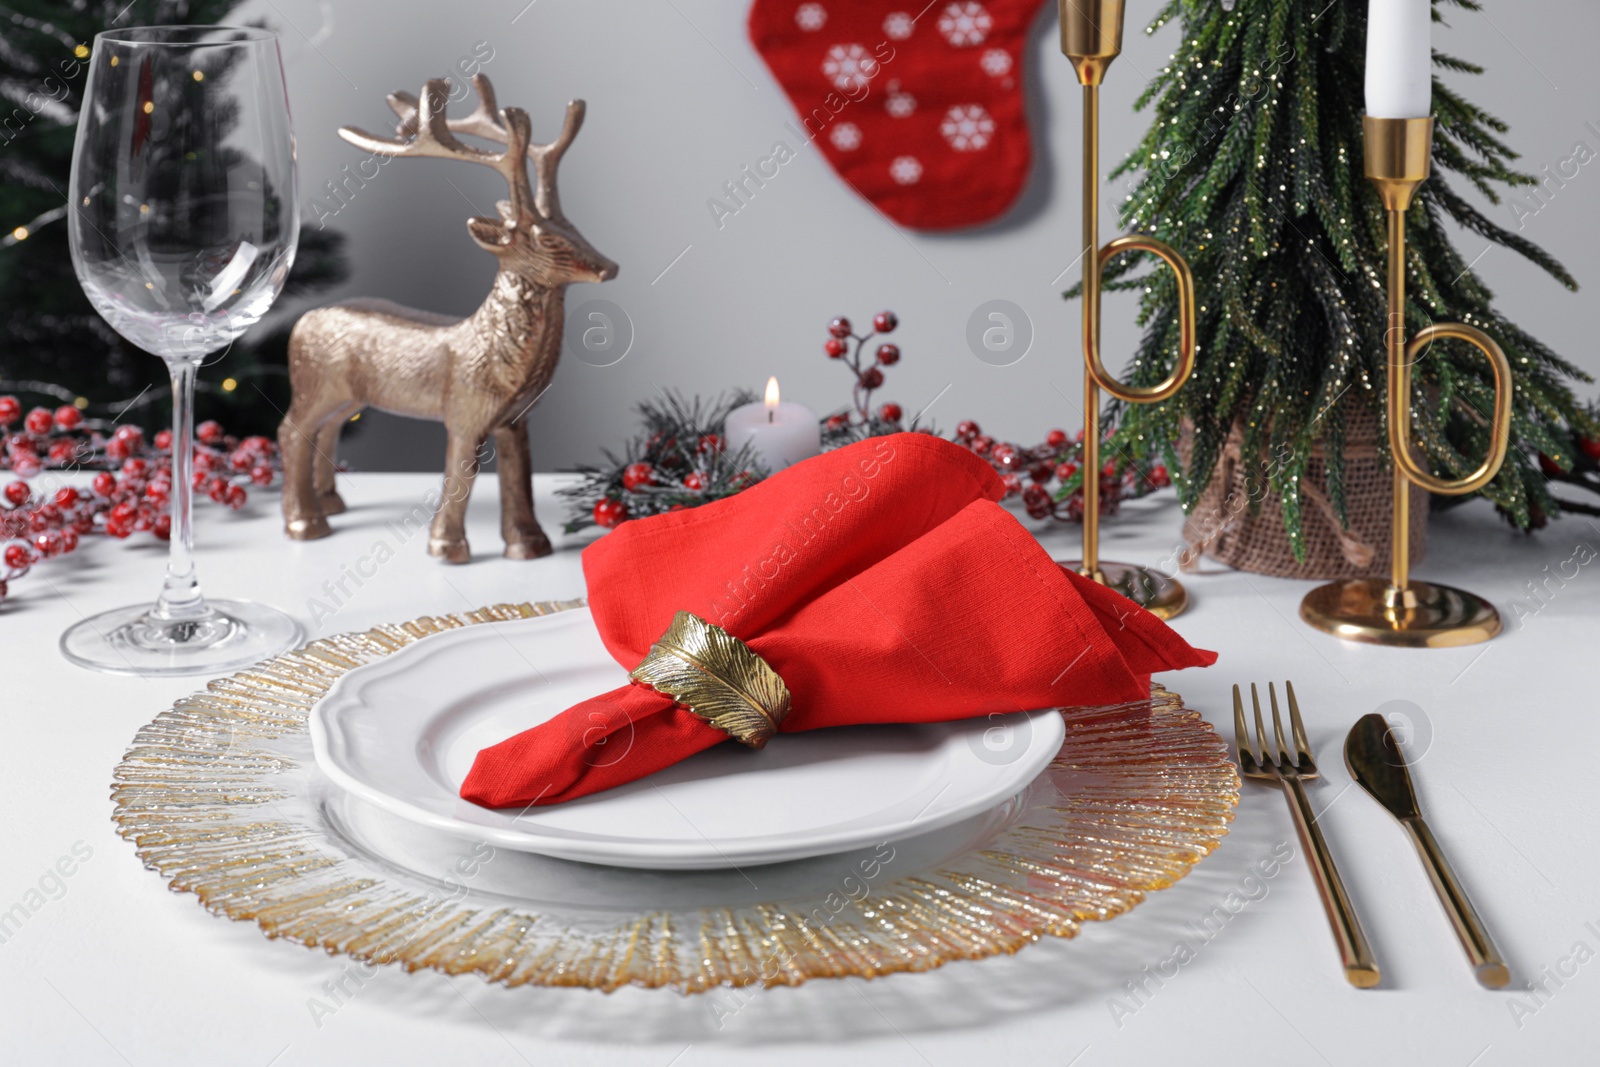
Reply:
x=1292, y=772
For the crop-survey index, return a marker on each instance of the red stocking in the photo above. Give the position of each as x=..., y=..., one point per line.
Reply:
x=921, y=114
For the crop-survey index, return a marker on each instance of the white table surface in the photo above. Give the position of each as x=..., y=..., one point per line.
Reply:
x=114, y=969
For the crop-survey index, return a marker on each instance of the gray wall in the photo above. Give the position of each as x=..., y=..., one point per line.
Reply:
x=679, y=101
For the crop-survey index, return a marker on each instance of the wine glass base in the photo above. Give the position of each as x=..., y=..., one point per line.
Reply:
x=1163, y=597
x=236, y=633
x=1432, y=616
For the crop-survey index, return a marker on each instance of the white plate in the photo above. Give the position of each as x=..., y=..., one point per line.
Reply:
x=402, y=733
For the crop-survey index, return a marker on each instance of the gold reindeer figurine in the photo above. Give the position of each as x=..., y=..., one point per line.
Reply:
x=479, y=375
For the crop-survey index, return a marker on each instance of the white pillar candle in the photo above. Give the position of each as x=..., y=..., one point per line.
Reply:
x=1399, y=59
x=780, y=433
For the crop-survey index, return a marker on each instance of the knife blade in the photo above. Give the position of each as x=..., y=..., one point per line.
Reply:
x=1379, y=767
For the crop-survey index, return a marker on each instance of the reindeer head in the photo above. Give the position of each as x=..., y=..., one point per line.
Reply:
x=531, y=237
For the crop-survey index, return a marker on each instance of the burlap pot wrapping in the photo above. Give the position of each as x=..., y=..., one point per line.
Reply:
x=1239, y=521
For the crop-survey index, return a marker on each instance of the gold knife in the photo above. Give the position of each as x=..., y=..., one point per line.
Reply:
x=1379, y=767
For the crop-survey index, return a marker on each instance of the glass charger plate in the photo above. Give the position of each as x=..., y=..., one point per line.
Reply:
x=221, y=796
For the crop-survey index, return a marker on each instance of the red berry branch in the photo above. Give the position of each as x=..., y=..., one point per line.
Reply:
x=131, y=488
x=861, y=421
x=1031, y=472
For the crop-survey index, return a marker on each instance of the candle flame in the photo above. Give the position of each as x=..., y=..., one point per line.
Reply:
x=772, y=393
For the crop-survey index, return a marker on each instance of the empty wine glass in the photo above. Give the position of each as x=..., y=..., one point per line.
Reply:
x=183, y=221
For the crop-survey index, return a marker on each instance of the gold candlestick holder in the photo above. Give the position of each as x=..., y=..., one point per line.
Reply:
x=1400, y=611
x=1091, y=36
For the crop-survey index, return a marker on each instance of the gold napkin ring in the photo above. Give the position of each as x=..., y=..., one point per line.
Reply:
x=717, y=677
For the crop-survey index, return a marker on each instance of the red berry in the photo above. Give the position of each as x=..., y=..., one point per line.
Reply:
x=66, y=497
x=118, y=529
x=10, y=409
x=1013, y=483
x=1037, y=500
x=49, y=543
x=258, y=444
x=636, y=475
x=1055, y=438
x=69, y=539
x=158, y=490
x=123, y=512
x=204, y=461
x=871, y=378
x=63, y=452
x=261, y=475
x=209, y=431
x=164, y=440
x=240, y=460
x=39, y=420
x=118, y=448
x=1040, y=473
x=888, y=355
x=162, y=527
x=694, y=481
x=838, y=422
x=68, y=417
x=885, y=322
x=1159, y=476
x=18, y=556
x=217, y=489
x=966, y=430
x=839, y=327
x=709, y=443
x=890, y=413
x=833, y=347
x=25, y=465
x=17, y=494
x=129, y=434
x=608, y=513
x=1109, y=470
x=982, y=443
x=104, y=484
x=1066, y=470
x=236, y=497
x=1004, y=454
x=135, y=467
x=1590, y=446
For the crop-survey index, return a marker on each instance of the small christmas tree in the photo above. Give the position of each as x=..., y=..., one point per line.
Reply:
x=53, y=345
x=1253, y=170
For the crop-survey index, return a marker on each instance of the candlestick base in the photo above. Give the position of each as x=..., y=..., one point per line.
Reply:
x=1424, y=615
x=1163, y=597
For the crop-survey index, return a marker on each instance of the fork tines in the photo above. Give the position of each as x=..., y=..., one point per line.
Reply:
x=1255, y=758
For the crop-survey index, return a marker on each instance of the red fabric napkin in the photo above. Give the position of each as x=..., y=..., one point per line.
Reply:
x=881, y=581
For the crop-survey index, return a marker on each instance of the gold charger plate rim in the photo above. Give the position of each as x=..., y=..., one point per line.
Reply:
x=1151, y=793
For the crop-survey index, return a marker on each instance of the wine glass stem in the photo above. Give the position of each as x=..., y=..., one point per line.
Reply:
x=180, y=595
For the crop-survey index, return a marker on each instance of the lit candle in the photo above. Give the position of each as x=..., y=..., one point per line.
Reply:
x=1399, y=59
x=780, y=433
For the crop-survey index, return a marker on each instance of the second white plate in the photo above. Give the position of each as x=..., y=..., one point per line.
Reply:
x=403, y=732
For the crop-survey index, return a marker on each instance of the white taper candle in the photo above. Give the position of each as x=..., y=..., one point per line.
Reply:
x=1399, y=59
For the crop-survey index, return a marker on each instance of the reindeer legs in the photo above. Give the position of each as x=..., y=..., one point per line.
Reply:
x=524, y=539
x=322, y=464
x=303, y=519
x=448, y=537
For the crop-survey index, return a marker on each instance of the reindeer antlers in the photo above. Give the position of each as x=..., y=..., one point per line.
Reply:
x=423, y=130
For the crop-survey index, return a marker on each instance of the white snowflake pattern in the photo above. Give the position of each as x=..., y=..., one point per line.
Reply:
x=849, y=67
x=810, y=17
x=899, y=105
x=996, y=62
x=898, y=25
x=967, y=127
x=965, y=24
x=846, y=137
x=905, y=170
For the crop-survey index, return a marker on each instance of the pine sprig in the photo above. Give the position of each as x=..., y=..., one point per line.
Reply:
x=1252, y=169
